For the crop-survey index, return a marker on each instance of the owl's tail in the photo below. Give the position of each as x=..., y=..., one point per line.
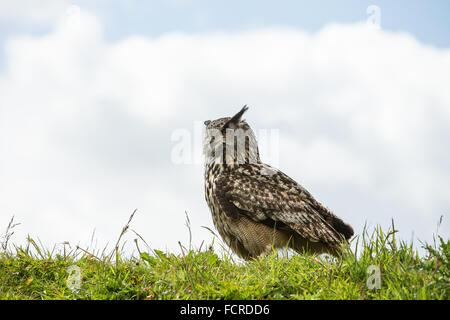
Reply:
x=343, y=229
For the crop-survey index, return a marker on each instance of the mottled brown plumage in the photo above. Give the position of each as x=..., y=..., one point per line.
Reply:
x=256, y=207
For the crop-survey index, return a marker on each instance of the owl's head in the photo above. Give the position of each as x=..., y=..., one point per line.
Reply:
x=230, y=141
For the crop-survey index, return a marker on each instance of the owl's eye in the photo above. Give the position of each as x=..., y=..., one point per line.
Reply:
x=207, y=122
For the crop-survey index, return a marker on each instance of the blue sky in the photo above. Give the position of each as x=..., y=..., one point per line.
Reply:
x=88, y=111
x=426, y=20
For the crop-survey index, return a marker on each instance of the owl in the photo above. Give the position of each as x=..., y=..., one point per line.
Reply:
x=257, y=208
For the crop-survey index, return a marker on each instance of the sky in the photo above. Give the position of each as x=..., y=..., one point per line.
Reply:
x=97, y=99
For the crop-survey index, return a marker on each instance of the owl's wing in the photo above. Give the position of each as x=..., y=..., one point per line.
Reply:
x=263, y=193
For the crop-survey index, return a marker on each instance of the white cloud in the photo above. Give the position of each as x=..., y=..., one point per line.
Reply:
x=327, y=162
x=35, y=12
x=86, y=125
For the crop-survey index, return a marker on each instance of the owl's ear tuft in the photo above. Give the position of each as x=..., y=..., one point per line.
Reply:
x=234, y=121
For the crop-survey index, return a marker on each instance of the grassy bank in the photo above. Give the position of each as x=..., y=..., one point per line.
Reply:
x=32, y=272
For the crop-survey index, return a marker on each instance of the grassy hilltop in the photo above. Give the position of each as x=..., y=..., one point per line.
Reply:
x=32, y=272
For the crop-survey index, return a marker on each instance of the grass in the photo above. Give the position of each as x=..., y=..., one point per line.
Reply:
x=32, y=272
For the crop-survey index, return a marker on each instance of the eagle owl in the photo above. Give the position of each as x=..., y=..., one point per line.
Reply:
x=257, y=208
